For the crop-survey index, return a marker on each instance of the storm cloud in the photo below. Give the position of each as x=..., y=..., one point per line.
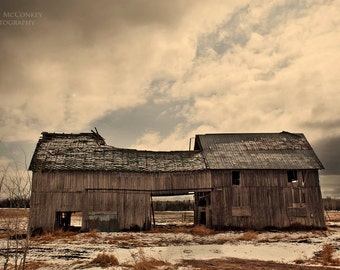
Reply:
x=151, y=74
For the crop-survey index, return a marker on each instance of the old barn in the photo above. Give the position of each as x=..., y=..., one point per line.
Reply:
x=247, y=180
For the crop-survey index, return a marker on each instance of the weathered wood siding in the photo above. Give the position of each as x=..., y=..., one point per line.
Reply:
x=265, y=198
x=126, y=194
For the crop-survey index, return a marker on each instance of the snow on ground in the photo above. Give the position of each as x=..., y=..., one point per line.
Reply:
x=72, y=251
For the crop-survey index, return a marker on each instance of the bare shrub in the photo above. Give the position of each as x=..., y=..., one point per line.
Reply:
x=104, y=260
x=248, y=236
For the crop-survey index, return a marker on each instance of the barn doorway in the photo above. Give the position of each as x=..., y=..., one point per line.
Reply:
x=203, y=208
x=172, y=211
x=68, y=221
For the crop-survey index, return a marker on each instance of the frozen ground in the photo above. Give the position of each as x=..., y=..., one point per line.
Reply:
x=179, y=246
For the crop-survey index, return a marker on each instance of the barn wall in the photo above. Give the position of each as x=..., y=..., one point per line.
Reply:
x=124, y=194
x=78, y=181
x=265, y=198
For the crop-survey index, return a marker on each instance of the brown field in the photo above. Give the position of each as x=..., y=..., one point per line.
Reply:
x=332, y=216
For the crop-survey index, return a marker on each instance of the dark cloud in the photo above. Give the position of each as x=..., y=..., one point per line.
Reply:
x=18, y=153
x=330, y=186
x=90, y=16
x=122, y=128
x=67, y=27
x=321, y=125
x=328, y=151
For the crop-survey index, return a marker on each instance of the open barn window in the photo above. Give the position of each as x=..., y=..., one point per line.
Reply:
x=235, y=176
x=69, y=220
x=292, y=176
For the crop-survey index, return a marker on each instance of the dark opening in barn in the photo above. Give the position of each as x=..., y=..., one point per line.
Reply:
x=68, y=220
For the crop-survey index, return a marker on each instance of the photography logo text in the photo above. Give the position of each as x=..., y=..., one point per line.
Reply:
x=19, y=18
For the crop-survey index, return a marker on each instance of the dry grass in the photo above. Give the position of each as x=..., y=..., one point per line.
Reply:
x=196, y=230
x=64, y=234
x=325, y=256
x=180, y=229
x=248, y=236
x=33, y=265
x=147, y=264
x=201, y=231
x=45, y=238
x=274, y=238
x=52, y=236
x=91, y=234
x=333, y=216
x=223, y=240
x=143, y=263
x=104, y=260
x=126, y=237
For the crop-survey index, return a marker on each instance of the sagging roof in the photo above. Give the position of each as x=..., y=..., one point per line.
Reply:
x=88, y=151
x=257, y=151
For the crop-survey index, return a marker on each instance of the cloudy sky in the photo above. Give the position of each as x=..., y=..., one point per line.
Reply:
x=150, y=74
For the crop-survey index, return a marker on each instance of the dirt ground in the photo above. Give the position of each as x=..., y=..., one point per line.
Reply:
x=241, y=264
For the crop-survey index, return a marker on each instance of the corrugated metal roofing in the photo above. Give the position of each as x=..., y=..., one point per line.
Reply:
x=257, y=151
x=88, y=151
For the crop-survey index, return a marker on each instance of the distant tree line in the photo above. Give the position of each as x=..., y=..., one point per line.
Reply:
x=331, y=204
x=186, y=205
x=15, y=203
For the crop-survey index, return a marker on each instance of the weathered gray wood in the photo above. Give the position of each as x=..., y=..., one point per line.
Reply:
x=264, y=198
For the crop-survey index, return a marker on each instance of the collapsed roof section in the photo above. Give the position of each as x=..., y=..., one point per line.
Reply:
x=88, y=151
